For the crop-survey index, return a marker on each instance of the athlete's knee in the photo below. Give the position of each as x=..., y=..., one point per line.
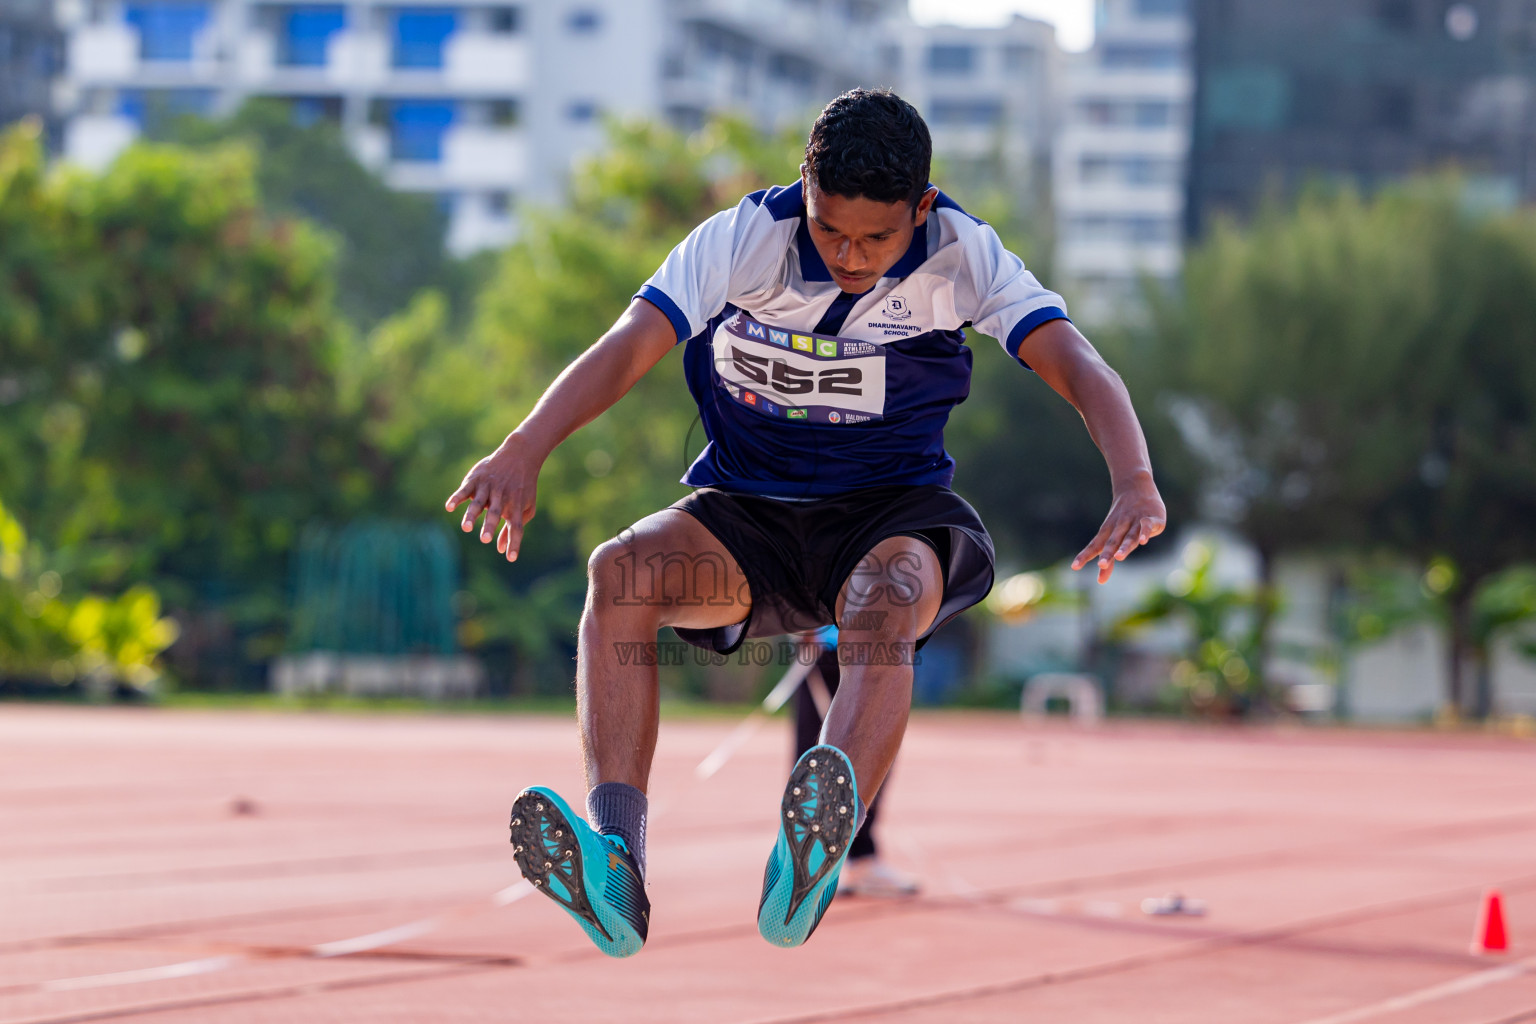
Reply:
x=894, y=591
x=611, y=576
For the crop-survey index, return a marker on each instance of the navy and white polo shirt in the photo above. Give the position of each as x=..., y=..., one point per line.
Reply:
x=804, y=390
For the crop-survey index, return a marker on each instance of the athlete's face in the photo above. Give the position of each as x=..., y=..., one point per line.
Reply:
x=860, y=239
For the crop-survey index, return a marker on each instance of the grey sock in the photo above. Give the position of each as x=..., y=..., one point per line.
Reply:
x=616, y=808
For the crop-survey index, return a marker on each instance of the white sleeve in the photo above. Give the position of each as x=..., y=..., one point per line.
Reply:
x=717, y=263
x=1002, y=298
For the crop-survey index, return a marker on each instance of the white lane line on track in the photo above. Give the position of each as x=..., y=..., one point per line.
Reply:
x=376, y=940
x=185, y=969
x=1434, y=993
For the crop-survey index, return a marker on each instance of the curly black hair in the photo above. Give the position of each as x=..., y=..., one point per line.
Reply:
x=870, y=143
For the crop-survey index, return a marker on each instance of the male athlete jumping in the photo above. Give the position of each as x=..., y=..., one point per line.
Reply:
x=823, y=330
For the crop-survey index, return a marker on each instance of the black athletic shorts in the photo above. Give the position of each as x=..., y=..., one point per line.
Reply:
x=797, y=554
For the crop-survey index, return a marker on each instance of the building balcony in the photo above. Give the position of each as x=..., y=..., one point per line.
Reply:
x=110, y=53
x=1117, y=259
x=1162, y=83
x=1078, y=140
x=1073, y=196
x=94, y=140
x=472, y=62
x=103, y=53
x=483, y=61
x=475, y=155
x=475, y=226
x=470, y=157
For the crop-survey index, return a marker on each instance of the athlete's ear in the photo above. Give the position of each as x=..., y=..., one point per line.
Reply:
x=924, y=204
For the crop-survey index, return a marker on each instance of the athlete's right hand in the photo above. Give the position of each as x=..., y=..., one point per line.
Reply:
x=503, y=485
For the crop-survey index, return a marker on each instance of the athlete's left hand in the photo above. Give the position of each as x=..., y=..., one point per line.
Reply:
x=1136, y=516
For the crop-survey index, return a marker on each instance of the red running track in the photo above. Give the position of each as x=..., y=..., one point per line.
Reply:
x=1342, y=871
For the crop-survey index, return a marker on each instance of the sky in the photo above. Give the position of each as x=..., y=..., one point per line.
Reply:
x=1073, y=18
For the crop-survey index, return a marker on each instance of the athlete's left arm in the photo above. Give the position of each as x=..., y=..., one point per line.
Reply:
x=1059, y=353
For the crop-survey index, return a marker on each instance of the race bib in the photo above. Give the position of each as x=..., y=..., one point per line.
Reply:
x=799, y=376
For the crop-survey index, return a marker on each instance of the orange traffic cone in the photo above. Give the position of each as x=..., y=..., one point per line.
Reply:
x=1491, y=935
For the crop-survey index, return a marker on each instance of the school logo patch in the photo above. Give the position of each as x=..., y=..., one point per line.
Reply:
x=896, y=308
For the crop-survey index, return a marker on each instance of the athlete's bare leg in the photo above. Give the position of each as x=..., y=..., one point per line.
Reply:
x=882, y=608
x=666, y=570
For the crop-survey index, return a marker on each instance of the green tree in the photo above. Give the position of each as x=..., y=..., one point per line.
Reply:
x=1215, y=676
x=170, y=361
x=389, y=243
x=47, y=636
x=1363, y=373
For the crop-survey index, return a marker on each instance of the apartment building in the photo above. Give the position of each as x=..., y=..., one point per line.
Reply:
x=482, y=103
x=1120, y=157
x=775, y=60
x=988, y=95
x=1360, y=91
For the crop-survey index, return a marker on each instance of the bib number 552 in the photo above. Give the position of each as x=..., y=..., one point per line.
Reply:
x=791, y=380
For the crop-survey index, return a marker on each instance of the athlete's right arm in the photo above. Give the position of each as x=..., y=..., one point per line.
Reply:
x=504, y=484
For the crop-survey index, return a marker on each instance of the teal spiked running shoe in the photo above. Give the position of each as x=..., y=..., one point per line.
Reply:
x=592, y=876
x=816, y=823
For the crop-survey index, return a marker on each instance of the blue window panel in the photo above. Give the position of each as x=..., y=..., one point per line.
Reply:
x=167, y=28
x=951, y=59
x=417, y=127
x=130, y=104
x=975, y=113
x=420, y=33
x=307, y=34
x=142, y=106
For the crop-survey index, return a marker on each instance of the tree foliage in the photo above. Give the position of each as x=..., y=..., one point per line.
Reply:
x=47, y=635
x=1214, y=675
x=1363, y=373
x=169, y=372
x=389, y=244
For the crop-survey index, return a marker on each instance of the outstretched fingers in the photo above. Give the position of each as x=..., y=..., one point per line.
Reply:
x=476, y=506
x=1094, y=547
x=511, y=538
x=501, y=487
x=1110, y=552
x=493, y=513
x=1147, y=527
x=1116, y=539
